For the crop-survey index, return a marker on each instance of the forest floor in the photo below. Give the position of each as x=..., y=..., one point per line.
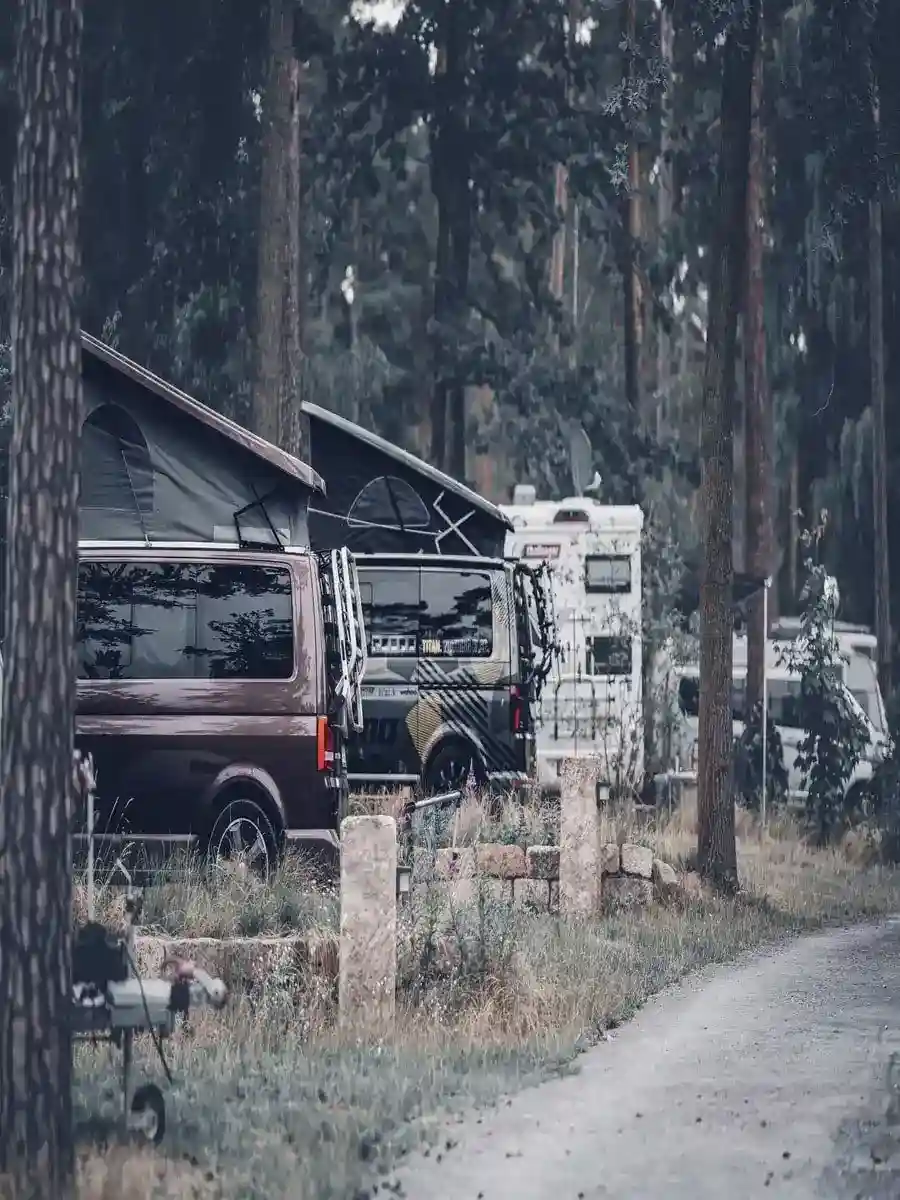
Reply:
x=270, y=1100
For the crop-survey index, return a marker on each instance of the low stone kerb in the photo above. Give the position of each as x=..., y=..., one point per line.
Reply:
x=501, y=862
x=637, y=860
x=542, y=862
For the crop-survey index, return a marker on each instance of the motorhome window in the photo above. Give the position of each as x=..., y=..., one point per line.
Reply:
x=608, y=656
x=184, y=621
x=457, y=615
x=785, y=702
x=390, y=600
x=739, y=699
x=609, y=574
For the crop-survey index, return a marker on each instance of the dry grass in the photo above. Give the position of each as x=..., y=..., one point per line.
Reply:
x=193, y=901
x=270, y=1101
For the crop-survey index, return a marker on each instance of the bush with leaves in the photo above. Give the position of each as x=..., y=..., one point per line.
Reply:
x=748, y=759
x=835, y=732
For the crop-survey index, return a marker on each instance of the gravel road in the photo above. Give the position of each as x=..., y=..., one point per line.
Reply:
x=763, y=1079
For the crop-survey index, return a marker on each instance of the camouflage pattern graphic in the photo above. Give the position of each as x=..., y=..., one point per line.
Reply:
x=414, y=704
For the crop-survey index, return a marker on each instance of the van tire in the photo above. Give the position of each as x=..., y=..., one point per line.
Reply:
x=244, y=829
x=858, y=802
x=449, y=768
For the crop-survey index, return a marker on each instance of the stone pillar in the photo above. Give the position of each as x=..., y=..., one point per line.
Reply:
x=367, y=986
x=579, y=843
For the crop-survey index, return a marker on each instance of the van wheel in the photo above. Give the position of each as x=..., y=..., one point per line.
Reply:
x=450, y=767
x=243, y=840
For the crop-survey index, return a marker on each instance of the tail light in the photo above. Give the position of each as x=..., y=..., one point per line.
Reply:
x=516, y=710
x=324, y=745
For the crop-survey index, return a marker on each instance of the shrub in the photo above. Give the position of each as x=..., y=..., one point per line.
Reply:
x=835, y=733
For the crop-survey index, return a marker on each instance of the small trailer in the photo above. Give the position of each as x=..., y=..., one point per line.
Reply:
x=111, y=1002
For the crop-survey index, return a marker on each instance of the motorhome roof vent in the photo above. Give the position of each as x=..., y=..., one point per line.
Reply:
x=524, y=493
x=572, y=516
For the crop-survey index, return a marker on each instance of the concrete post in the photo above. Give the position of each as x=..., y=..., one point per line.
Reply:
x=367, y=985
x=579, y=843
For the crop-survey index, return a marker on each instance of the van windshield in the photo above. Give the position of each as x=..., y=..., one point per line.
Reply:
x=866, y=692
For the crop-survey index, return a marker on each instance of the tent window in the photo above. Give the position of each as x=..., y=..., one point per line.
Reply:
x=391, y=503
x=115, y=463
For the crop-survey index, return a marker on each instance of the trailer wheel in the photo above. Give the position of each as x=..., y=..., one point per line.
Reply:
x=148, y=1111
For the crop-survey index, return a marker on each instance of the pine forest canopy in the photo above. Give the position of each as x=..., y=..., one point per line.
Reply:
x=450, y=272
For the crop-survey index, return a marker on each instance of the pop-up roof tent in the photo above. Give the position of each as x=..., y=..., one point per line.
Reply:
x=383, y=500
x=158, y=465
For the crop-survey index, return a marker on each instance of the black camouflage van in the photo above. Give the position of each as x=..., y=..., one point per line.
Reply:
x=456, y=654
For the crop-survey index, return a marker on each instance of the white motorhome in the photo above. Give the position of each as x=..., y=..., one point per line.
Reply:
x=591, y=709
x=783, y=690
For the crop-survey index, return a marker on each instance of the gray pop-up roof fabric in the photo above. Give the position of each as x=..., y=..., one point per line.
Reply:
x=384, y=500
x=158, y=465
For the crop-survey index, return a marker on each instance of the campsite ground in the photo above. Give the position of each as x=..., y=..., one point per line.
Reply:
x=270, y=1101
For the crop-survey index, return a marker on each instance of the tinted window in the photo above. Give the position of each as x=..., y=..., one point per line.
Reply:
x=390, y=601
x=608, y=573
x=784, y=702
x=689, y=697
x=609, y=656
x=184, y=621
x=457, y=614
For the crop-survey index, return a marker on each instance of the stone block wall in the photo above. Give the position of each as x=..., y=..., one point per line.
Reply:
x=631, y=875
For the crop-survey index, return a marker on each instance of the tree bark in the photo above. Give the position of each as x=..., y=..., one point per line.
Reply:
x=879, y=443
x=716, y=833
x=279, y=303
x=42, y=565
x=450, y=167
x=664, y=206
x=757, y=399
x=633, y=325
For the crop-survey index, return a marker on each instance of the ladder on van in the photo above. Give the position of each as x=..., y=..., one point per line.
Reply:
x=345, y=631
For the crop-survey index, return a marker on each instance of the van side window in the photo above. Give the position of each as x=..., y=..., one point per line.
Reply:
x=184, y=621
x=457, y=614
x=784, y=702
x=390, y=600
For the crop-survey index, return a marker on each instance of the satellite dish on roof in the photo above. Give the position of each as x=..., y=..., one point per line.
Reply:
x=581, y=459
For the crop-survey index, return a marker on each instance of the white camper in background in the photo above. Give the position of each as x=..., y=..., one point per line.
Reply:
x=592, y=708
x=783, y=692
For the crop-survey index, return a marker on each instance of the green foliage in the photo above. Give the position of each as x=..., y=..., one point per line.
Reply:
x=835, y=733
x=748, y=760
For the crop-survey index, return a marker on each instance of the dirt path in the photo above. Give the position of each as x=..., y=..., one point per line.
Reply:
x=766, y=1079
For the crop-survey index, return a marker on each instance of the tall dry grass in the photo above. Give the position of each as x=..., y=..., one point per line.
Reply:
x=273, y=1100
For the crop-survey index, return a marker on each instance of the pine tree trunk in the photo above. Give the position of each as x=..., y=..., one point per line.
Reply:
x=633, y=327
x=450, y=181
x=664, y=209
x=294, y=424
x=279, y=306
x=39, y=685
x=717, y=853
x=879, y=444
x=757, y=400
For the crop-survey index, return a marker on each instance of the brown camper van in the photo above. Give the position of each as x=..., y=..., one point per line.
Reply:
x=219, y=657
x=206, y=696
